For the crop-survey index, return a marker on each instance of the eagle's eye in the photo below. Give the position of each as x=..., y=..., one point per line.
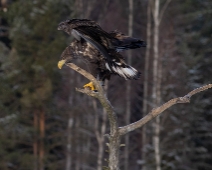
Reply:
x=61, y=26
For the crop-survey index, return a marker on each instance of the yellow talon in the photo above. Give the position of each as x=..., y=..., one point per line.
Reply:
x=90, y=85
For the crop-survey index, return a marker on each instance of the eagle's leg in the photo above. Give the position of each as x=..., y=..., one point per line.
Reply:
x=99, y=79
x=90, y=85
x=102, y=83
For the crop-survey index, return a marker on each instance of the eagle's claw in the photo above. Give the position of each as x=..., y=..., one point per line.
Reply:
x=90, y=86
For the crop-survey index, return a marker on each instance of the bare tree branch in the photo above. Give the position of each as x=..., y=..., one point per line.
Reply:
x=155, y=112
x=114, y=137
x=115, y=132
x=86, y=74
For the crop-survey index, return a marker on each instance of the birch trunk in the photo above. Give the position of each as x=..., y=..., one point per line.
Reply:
x=70, y=125
x=156, y=86
x=128, y=90
x=146, y=81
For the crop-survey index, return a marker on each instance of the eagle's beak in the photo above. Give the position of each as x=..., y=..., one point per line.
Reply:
x=61, y=63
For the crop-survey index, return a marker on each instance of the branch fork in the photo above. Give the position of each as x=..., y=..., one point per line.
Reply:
x=115, y=131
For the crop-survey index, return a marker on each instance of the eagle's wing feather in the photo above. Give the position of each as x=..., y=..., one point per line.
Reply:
x=95, y=44
x=114, y=62
x=74, y=23
x=123, y=42
x=112, y=41
x=97, y=34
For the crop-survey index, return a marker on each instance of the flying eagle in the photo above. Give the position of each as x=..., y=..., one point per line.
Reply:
x=99, y=48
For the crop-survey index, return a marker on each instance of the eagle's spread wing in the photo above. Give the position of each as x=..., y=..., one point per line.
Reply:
x=98, y=65
x=90, y=31
x=97, y=34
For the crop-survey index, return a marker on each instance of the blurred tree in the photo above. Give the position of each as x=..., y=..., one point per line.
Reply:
x=30, y=71
x=195, y=46
x=128, y=86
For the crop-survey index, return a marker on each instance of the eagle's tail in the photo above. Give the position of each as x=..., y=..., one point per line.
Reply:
x=122, y=42
x=130, y=43
x=123, y=70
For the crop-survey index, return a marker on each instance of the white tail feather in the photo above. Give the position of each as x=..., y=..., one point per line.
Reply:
x=107, y=66
x=123, y=70
x=130, y=72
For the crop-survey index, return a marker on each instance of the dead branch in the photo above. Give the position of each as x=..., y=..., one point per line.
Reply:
x=155, y=112
x=114, y=137
x=100, y=95
x=115, y=132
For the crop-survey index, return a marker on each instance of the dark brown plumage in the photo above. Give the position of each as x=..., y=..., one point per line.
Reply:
x=99, y=49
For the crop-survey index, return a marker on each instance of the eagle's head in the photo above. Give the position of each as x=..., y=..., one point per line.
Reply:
x=64, y=26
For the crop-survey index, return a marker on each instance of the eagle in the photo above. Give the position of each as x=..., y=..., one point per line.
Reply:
x=100, y=49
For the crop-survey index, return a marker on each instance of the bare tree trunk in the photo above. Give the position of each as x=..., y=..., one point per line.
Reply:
x=157, y=77
x=156, y=86
x=85, y=149
x=90, y=5
x=35, y=142
x=78, y=158
x=100, y=134
x=38, y=145
x=101, y=139
x=79, y=8
x=42, y=135
x=156, y=52
x=128, y=91
x=70, y=126
x=114, y=145
x=69, y=145
x=146, y=81
x=103, y=13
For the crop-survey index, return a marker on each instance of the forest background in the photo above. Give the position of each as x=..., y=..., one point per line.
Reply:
x=46, y=124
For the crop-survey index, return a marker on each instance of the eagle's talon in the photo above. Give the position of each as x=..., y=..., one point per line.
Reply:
x=90, y=86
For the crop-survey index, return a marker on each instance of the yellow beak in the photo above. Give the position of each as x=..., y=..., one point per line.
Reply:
x=61, y=63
